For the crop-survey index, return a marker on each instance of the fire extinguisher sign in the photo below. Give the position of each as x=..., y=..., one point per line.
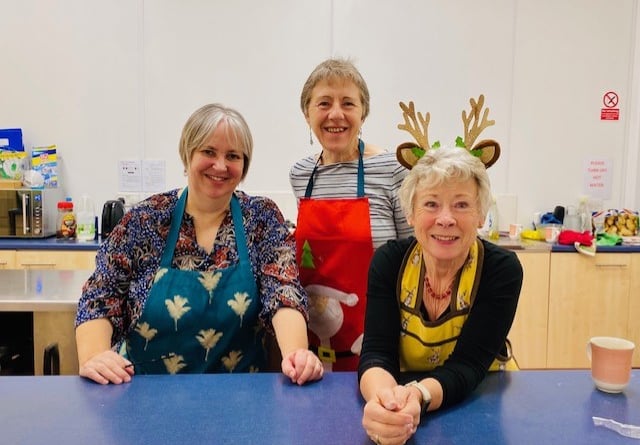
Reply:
x=610, y=112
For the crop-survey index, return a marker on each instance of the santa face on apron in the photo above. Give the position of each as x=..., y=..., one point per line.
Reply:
x=334, y=249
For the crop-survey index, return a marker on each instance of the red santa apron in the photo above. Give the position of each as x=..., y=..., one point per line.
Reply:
x=334, y=248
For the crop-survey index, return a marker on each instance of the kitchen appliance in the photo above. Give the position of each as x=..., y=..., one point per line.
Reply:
x=29, y=213
x=112, y=213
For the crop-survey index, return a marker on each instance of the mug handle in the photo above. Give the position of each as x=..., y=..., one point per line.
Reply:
x=589, y=350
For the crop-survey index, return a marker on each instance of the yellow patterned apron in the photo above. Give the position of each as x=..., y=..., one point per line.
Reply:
x=423, y=344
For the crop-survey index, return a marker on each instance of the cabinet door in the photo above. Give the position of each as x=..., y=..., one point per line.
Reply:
x=56, y=259
x=528, y=334
x=7, y=259
x=588, y=296
x=633, y=323
x=58, y=328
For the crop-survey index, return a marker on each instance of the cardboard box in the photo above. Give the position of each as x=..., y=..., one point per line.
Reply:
x=45, y=161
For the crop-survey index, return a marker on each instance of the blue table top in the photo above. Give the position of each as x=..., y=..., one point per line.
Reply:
x=525, y=407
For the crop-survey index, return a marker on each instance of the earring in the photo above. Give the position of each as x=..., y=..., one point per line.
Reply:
x=360, y=133
x=310, y=136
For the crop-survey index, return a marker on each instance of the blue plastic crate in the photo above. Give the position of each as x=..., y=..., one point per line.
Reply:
x=11, y=139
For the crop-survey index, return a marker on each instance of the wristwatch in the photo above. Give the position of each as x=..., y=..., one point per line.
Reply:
x=426, y=395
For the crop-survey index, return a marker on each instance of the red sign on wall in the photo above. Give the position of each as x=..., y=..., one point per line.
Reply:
x=610, y=112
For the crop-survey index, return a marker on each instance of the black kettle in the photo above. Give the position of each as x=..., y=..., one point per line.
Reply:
x=112, y=213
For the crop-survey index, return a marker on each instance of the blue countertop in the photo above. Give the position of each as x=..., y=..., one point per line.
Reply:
x=47, y=244
x=56, y=244
x=542, y=246
x=599, y=249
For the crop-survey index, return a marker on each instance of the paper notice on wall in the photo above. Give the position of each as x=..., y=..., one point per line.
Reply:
x=153, y=175
x=141, y=176
x=597, y=178
x=129, y=176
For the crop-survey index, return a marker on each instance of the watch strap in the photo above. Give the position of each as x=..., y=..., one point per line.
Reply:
x=426, y=395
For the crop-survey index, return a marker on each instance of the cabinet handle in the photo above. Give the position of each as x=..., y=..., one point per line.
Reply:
x=29, y=265
x=611, y=265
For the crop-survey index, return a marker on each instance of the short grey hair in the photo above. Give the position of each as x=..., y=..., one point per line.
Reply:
x=441, y=165
x=204, y=121
x=335, y=69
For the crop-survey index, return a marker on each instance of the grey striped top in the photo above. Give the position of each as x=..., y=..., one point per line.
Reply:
x=382, y=178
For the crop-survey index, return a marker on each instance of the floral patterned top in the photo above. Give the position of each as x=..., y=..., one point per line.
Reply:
x=129, y=258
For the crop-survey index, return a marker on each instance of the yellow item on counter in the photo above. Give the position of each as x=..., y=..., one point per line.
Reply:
x=532, y=234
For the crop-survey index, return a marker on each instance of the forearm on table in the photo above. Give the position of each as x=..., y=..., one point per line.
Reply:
x=93, y=337
x=373, y=380
x=291, y=330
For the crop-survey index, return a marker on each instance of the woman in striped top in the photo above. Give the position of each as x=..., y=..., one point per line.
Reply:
x=347, y=206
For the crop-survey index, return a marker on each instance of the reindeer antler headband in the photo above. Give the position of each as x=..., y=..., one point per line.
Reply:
x=487, y=150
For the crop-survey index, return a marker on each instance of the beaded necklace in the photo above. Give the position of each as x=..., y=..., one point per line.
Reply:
x=431, y=292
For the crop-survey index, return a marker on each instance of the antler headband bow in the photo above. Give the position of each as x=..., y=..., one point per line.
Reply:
x=408, y=153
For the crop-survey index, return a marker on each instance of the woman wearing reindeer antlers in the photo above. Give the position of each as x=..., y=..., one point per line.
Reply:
x=347, y=206
x=440, y=303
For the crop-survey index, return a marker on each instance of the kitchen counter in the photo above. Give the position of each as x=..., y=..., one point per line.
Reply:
x=47, y=244
x=542, y=246
x=599, y=249
x=522, y=244
x=32, y=290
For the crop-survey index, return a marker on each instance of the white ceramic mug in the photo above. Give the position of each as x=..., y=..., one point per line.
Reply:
x=610, y=359
x=515, y=230
x=551, y=233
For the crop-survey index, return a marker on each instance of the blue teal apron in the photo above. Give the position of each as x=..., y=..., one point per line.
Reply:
x=199, y=322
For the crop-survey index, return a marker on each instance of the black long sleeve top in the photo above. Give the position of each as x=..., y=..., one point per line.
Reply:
x=481, y=338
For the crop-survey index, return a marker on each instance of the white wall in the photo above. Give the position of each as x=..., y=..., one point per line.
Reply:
x=115, y=80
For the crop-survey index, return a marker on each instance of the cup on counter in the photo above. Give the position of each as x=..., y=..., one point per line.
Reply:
x=610, y=359
x=551, y=232
x=515, y=230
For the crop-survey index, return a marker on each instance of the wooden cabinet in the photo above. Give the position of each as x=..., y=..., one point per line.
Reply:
x=7, y=259
x=588, y=296
x=55, y=259
x=58, y=328
x=633, y=321
x=528, y=334
x=54, y=327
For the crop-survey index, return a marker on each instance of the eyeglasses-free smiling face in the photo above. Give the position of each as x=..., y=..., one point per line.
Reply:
x=335, y=116
x=446, y=218
x=215, y=169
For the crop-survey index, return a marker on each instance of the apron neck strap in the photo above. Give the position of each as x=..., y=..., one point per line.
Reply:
x=309, y=189
x=174, y=231
x=176, y=221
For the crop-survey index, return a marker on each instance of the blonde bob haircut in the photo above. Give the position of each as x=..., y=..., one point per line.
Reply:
x=444, y=165
x=204, y=121
x=330, y=70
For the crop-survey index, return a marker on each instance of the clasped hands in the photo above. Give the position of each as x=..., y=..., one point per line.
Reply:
x=392, y=417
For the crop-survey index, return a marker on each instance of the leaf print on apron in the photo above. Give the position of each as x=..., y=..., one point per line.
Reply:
x=334, y=247
x=199, y=321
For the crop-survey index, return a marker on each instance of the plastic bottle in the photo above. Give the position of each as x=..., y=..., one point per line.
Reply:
x=572, y=219
x=493, y=230
x=86, y=217
x=585, y=215
x=66, y=226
